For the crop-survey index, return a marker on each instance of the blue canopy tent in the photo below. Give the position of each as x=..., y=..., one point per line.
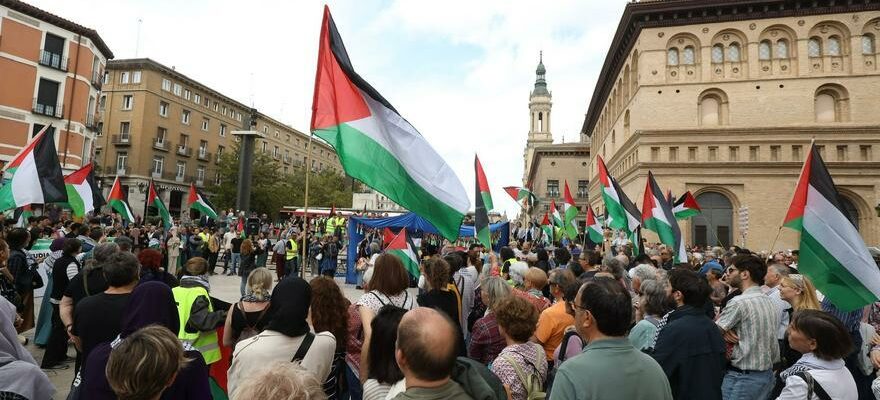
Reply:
x=413, y=223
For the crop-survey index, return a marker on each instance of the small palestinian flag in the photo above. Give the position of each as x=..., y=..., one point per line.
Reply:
x=376, y=145
x=569, y=214
x=832, y=254
x=555, y=216
x=620, y=211
x=198, y=201
x=154, y=200
x=402, y=247
x=83, y=194
x=657, y=216
x=34, y=175
x=686, y=206
x=547, y=227
x=594, y=227
x=22, y=214
x=483, y=205
x=523, y=196
x=116, y=201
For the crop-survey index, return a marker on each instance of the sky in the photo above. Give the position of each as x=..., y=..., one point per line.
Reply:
x=459, y=71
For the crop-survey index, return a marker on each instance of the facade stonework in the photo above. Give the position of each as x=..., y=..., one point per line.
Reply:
x=728, y=109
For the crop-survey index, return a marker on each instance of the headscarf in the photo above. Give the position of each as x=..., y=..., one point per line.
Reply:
x=20, y=373
x=290, y=307
x=57, y=244
x=150, y=303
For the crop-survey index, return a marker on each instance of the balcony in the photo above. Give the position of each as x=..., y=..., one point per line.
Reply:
x=200, y=181
x=97, y=79
x=163, y=145
x=92, y=122
x=49, y=110
x=287, y=159
x=123, y=139
x=204, y=155
x=156, y=175
x=182, y=178
x=122, y=171
x=53, y=60
x=184, y=151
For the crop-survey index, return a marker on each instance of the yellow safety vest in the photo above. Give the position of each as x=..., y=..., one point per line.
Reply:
x=293, y=251
x=205, y=342
x=330, y=226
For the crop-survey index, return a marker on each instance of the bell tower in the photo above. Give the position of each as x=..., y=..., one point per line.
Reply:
x=539, y=116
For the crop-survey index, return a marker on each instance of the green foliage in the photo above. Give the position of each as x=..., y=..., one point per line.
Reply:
x=271, y=189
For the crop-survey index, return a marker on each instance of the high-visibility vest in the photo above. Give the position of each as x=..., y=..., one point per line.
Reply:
x=205, y=342
x=292, y=251
x=330, y=226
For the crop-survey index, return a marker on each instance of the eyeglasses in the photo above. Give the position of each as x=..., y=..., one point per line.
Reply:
x=731, y=270
x=578, y=307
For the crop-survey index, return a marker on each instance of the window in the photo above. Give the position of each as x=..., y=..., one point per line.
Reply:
x=287, y=139
x=125, y=129
x=717, y=54
x=158, y=165
x=842, y=152
x=796, y=152
x=53, y=52
x=161, y=134
x=203, y=148
x=814, y=47
x=782, y=49
x=276, y=152
x=672, y=56
x=200, y=174
x=733, y=153
x=673, y=154
x=163, y=109
x=219, y=152
x=106, y=78
x=865, y=152
x=753, y=153
x=225, y=110
x=181, y=169
x=136, y=77
x=238, y=117
x=709, y=111
x=688, y=57
x=102, y=102
x=825, y=108
x=867, y=44
x=47, y=99
x=774, y=153
x=205, y=123
x=127, y=102
x=583, y=189
x=177, y=89
x=86, y=150
x=833, y=46
x=764, y=50
x=123, y=77
x=552, y=187
x=184, y=117
x=713, y=153
x=733, y=52
x=184, y=141
x=216, y=106
x=692, y=153
x=265, y=147
x=222, y=130
x=277, y=134
x=197, y=98
x=265, y=129
x=121, y=161
x=187, y=94
x=217, y=178
x=166, y=85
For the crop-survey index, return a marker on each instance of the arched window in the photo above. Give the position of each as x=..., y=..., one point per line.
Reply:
x=733, y=52
x=850, y=210
x=613, y=137
x=814, y=47
x=825, y=107
x=672, y=56
x=782, y=49
x=540, y=122
x=717, y=215
x=718, y=54
x=710, y=111
x=831, y=103
x=833, y=46
x=868, y=44
x=688, y=56
x=626, y=123
x=764, y=50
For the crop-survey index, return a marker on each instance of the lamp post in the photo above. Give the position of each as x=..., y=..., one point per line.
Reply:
x=245, y=162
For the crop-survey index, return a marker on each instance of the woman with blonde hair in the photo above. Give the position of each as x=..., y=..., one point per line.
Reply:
x=281, y=380
x=249, y=316
x=799, y=291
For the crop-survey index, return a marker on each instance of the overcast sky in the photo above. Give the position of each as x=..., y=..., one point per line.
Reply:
x=459, y=71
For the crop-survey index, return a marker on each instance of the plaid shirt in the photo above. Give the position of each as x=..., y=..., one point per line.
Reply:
x=754, y=318
x=486, y=340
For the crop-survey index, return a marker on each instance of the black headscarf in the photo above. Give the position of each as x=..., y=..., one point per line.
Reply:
x=290, y=307
x=150, y=303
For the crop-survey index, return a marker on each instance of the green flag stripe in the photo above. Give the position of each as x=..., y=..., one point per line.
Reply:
x=833, y=279
x=411, y=265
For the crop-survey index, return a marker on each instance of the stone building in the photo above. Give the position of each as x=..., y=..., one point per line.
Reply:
x=724, y=99
x=50, y=74
x=547, y=166
x=160, y=124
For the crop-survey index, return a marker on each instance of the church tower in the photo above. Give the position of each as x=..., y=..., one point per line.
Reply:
x=539, y=117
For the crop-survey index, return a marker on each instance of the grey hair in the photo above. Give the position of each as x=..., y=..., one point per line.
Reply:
x=124, y=243
x=644, y=272
x=374, y=247
x=780, y=269
x=614, y=266
x=654, y=297
x=496, y=290
x=101, y=254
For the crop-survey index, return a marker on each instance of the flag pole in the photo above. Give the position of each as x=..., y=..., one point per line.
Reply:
x=302, y=270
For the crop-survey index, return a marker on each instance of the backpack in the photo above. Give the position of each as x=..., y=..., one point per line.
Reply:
x=563, y=347
x=532, y=383
x=249, y=331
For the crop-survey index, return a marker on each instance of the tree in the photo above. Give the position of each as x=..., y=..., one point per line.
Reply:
x=271, y=189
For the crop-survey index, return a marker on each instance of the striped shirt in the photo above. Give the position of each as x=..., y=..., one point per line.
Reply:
x=754, y=318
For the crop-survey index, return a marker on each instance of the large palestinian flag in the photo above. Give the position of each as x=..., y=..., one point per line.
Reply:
x=402, y=247
x=657, y=216
x=376, y=145
x=154, y=200
x=483, y=205
x=116, y=201
x=523, y=196
x=83, y=194
x=198, y=201
x=34, y=175
x=569, y=214
x=622, y=213
x=686, y=206
x=832, y=254
x=594, y=228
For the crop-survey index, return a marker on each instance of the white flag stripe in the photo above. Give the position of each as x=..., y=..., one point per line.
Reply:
x=26, y=182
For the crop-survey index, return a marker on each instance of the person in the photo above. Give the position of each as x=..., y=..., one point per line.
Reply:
x=383, y=369
x=653, y=305
x=49, y=307
x=522, y=365
x=291, y=255
x=234, y=255
x=23, y=270
x=554, y=320
x=280, y=380
x=213, y=247
x=198, y=318
x=590, y=262
x=279, y=251
x=354, y=344
x=603, y=313
x=329, y=312
x=145, y=364
x=572, y=344
x=689, y=347
x=20, y=376
x=439, y=297
x=287, y=337
x=528, y=283
x=387, y=286
x=824, y=342
x=329, y=254
x=151, y=305
x=798, y=291
x=251, y=314
x=465, y=280
x=64, y=268
x=172, y=246
x=263, y=246
x=248, y=255
x=775, y=273
x=151, y=268
x=98, y=318
x=425, y=353
x=719, y=289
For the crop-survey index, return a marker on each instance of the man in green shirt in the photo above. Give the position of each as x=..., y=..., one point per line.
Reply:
x=610, y=367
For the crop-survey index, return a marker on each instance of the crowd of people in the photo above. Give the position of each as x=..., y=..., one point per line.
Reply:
x=532, y=321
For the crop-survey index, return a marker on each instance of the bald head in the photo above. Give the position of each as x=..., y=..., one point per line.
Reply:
x=426, y=344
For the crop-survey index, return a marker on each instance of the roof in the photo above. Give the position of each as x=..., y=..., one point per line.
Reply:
x=665, y=13
x=53, y=19
x=557, y=149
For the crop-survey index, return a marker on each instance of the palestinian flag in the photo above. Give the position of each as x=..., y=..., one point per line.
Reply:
x=402, y=247
x=198, y=201
x=657, y=216
x=554, y=214
x=548, y=228
x=832, y=254
x=22, y=214
x=154, y=200
x=522, y=196
x=669, y=198
x=387, y=236
x=686, y=206
x=83, y=194
x=34, y=176
x=483, y=205
x=594, y=228
x=376, y=145
x=622, y=213
x=569, y=214
x=116, y=201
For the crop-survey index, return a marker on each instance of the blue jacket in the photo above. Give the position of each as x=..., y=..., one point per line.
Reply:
x=691, y=352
